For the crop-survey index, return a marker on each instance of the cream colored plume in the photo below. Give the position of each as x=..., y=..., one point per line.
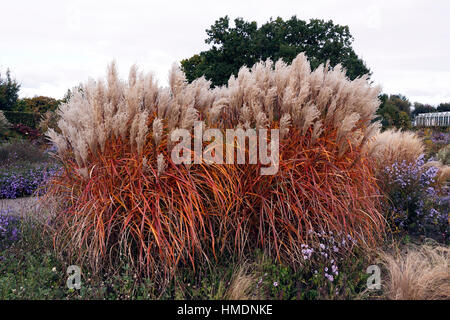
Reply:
x=266, y=95
x=393, y=146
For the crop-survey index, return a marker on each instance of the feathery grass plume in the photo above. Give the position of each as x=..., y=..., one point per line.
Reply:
x=48, y=121
x=324, y=94
x=444, y=175
x=161, y=164
x=58, y=140
x=420, y=273
x=157, y=130
x=393, y=146
x=285, y=123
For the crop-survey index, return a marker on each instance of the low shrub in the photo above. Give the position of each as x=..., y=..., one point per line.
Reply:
x=9, y=229
x=443, y=155
x=24, y=180
x=418, y=204
x=26, y=131
x=21, y=151
x=434, y=140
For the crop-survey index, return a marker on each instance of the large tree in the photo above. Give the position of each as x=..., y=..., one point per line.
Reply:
x=443, y=107
x=422, y=108
x=9, y=92
x=246, y=44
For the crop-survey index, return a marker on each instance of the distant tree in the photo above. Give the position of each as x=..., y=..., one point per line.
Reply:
x=394, y=111
x=246, y=44
x=66, y=97
x=69, y=92
x=443, y=107
x=9, y=92
x=422, y=108
x=38, y=104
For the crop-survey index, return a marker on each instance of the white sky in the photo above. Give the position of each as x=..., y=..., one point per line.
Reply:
x=51, y=46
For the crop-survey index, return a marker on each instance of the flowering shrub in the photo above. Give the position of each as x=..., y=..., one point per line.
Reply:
x=327, y=272
x=434, y=140
x=441, y=138
x=418, y=204
x=23, y=180
x=9, y=231
x=26, y=131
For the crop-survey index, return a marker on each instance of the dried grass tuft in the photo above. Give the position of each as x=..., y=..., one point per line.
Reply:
x=420, y=273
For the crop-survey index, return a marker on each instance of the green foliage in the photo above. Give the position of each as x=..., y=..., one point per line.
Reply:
x=422, y=108
x=282, y=282
x=443, y=107
x=9, y=89
x=29, y=119
x=444, y=155
x=394, y=111
x=38, y=104
x=31, y=269
x=246, y=44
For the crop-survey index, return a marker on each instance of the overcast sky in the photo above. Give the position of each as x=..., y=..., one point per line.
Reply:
x=51, y=46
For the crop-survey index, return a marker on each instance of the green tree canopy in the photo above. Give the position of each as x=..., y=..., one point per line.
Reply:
x=38, y=104
x=394, y=111
x=9, y=92
x=246, y=44
x=422, y=108
x=443, y=107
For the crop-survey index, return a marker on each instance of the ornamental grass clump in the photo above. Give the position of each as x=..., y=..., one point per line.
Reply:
x=393, y=146
x=125, y=196
x=324, y=183
x=420, y=273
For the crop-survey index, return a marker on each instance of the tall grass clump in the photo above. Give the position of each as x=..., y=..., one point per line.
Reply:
x=324, y=183
x=124, y=197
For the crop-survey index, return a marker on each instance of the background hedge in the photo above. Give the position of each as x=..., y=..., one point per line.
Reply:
x=30, y=119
